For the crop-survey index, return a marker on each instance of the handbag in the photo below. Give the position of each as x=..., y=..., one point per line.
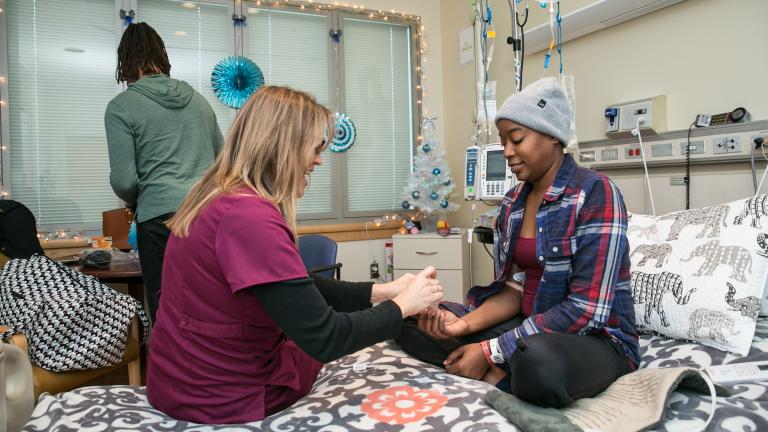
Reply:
x=71, y=320
x=116, y=224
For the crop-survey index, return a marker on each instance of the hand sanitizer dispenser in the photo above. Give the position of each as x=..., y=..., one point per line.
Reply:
x=16, y=393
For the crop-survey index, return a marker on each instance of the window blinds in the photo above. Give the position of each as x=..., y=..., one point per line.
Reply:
x=377, y=71
x=196, y=36
x=291, y=49
x=61, y=75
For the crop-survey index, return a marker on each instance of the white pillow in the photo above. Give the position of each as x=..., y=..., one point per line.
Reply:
x=700, y=274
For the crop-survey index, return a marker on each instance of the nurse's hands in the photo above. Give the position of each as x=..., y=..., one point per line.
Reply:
x=390, y=290
x=419, y=293
x=468, y=361
x=442, y=324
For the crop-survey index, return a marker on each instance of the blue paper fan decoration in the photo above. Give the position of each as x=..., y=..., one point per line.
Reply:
x=345, y=133
x=234, y=79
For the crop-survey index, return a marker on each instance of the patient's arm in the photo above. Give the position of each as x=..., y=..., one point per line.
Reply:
x=503, y=306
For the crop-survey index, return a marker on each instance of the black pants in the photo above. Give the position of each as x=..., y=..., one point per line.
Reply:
x=548, y=369
x=152, y=235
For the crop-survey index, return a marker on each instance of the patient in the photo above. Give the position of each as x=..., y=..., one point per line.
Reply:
x=242, y=330
x=568, y=331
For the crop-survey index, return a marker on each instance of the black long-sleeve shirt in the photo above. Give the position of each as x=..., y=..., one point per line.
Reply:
x=329, y=319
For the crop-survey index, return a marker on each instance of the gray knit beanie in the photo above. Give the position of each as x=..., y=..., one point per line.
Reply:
x=542, y=106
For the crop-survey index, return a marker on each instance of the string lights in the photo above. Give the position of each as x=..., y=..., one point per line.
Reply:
x=3, y=147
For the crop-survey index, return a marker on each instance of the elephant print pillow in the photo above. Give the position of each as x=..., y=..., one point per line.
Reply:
x=700, y=274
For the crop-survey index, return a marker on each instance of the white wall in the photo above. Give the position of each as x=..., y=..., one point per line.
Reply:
x=706, y=56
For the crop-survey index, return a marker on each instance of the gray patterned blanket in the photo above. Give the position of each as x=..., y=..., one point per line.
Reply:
x=381, y=388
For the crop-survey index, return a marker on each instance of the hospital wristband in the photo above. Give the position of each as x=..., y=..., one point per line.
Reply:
x=496, y=356
x=487, y=353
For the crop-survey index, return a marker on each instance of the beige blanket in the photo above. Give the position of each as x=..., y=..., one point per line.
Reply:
x=633, y=403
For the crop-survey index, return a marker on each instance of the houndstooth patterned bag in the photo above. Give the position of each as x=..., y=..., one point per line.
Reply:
x=71, y=320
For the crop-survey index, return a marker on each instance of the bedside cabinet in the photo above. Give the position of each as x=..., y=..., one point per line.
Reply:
x=449, y=255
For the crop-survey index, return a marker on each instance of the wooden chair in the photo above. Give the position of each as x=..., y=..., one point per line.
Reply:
x=56, y=382
x=46, y=381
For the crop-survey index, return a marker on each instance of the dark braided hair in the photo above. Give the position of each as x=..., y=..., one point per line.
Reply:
x=141, y=50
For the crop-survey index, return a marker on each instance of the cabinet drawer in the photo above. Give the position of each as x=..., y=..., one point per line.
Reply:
x=454, y=283
x=418, y=253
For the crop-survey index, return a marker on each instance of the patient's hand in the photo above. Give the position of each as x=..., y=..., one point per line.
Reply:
x=467, y=361
x=442, y=324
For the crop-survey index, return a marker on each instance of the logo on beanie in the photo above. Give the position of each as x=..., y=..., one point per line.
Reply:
x=542, y=103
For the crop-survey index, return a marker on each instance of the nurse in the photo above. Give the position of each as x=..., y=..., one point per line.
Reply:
x=243, y=330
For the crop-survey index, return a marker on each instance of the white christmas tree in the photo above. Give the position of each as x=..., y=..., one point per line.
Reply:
x=430, y=184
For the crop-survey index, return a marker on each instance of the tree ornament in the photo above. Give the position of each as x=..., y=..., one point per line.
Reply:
x=344, y=135
x=433, y=195
x=443, y=203
x=447, y=182
x=416, y=194
x=426, y=148
x=436, y=171
x=234, y=79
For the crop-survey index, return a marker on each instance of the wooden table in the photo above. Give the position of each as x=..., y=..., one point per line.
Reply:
x=124, y=273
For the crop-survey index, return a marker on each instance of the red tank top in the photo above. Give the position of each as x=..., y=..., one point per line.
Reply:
x=525, y=258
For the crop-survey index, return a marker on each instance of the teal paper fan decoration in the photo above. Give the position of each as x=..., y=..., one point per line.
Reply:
x=345, y=134
x=234, y=79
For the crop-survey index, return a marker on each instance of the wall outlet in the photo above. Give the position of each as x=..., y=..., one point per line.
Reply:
x=632, y=152
x=609, y=154
x=761, y=134
x=727, y=144
x=697, y=147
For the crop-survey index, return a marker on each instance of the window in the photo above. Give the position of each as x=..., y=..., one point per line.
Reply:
x=368, y=74
x=196, y=37
x=271, y=42
x=61, y=69
x=377, y=71
x=60, y=62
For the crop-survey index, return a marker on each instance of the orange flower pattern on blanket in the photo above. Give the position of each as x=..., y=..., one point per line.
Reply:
x=402, y=404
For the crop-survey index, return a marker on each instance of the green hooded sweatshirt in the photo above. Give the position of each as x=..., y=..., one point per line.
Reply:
x=162, y=135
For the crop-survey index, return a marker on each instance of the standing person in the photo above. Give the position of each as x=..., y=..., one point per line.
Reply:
x=162, y=135
x=569, y=330
x=243, y=330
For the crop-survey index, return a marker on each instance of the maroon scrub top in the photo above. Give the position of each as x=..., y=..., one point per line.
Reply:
x=216, y=356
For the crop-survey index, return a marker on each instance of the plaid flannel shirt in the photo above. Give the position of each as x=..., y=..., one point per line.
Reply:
x=582, y=246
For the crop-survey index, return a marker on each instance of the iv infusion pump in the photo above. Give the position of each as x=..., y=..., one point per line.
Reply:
x=487, y=176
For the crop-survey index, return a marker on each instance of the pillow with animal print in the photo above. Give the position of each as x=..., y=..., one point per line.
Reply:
x=700, y=274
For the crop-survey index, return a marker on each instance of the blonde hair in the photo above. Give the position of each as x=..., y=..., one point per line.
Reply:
x=267, y=150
